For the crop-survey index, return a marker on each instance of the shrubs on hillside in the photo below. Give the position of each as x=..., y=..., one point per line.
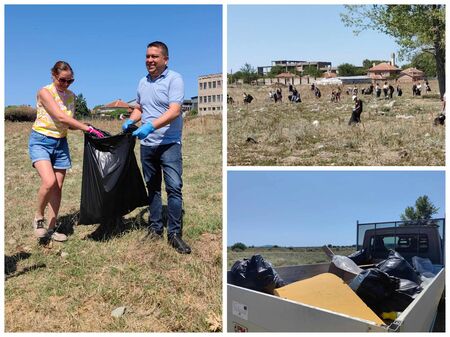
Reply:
x=20, y=113
x=238, y=247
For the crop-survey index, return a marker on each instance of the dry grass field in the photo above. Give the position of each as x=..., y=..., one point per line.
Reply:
x=399, y=132
x=74, y=287
x=286, y=256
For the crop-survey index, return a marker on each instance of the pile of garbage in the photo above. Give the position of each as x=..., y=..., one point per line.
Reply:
x=385, y=289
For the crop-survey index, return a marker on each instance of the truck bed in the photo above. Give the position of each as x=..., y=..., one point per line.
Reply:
x=249, y=310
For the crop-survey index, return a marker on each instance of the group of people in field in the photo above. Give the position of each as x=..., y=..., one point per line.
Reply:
x=387, y=89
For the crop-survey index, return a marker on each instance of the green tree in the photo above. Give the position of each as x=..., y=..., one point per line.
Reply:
x=415, y=28
x=425, y=62
x=117, y=112
x=238, y=246
x=276, y=70
x=312, y=71
x=236, y=76
x=249, y=73
x=81, y=109
x=347, y=69
x=369, y=63
x=422, y=213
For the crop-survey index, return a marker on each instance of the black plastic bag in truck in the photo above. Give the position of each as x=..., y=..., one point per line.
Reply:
x=256, y=274
x=396, y=265
x=380, y=291
x=112, y=184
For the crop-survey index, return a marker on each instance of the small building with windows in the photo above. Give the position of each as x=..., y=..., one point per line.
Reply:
x=210, y=94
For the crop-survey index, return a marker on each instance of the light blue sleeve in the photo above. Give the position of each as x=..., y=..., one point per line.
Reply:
x=176, y=90
x=138, y=96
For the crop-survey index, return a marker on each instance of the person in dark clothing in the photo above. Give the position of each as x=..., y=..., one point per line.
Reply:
x=317, y=93
x=414, y=87
x=385, y=90
x=279, y=95
x=357, y=110
x=295, y=97
x=290, y=88
x=391, y=91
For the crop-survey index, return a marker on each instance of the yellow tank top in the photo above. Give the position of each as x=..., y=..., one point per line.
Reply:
x=49, y=126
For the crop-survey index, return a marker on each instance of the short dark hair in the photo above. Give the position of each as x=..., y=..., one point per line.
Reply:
x=160, y=45
x=61, y=66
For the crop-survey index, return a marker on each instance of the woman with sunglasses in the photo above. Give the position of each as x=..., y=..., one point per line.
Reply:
x=48, y=147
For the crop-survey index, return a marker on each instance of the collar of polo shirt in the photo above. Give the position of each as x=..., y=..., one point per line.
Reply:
x=163, y=74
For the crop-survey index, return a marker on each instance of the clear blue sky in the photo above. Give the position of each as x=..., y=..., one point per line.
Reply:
x=106, y=45
x=258, y=34
x=313, y=208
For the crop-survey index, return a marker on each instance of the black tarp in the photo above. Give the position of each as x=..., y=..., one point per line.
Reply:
x=112, y=184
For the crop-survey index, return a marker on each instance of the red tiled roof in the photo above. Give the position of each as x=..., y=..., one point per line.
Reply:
x=117, y=104
x=413, y=72
x=376, y=77
x=384, y=66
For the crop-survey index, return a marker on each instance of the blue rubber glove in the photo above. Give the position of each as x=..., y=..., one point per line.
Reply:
x=127, y=123
x=144, y=130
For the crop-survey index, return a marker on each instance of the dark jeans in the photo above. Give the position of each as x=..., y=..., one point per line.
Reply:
x=158, y=161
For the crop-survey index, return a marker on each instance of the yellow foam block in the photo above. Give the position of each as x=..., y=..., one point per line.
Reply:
x=328, y=291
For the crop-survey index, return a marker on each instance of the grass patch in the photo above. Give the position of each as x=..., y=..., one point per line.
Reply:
x=286, y=256
x=315, y=132
x=73, y=287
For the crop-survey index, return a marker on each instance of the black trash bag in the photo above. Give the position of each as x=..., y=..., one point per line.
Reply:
x=379, y=291
x=359, y=257
x=112, y=184
x=256, y=274
x=396, y=265
x=409, y=287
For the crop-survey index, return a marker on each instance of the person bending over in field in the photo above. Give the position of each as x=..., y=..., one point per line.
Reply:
x=48, y=147
x=356, y=112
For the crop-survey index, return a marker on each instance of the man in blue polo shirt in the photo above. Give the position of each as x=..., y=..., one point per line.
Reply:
x=159, y=98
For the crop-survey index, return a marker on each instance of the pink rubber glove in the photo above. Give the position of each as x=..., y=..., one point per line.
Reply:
x=96, y=133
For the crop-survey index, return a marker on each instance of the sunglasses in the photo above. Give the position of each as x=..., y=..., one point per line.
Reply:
x=63, y=80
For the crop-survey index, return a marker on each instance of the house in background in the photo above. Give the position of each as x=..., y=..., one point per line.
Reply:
x=107, y=109
x=411, y=75
x=384, y=70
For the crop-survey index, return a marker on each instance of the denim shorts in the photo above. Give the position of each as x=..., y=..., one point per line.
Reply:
x=55, y=150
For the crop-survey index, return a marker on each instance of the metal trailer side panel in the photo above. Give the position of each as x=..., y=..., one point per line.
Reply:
x=258, y=312
x=420, y=314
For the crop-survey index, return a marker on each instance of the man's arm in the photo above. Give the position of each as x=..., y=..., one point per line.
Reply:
x=168, y=116
x=136, y=113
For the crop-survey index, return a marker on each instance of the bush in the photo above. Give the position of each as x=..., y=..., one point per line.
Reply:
x=192, y=112
x=20, y=113
x=239, y=246
x=116, y=113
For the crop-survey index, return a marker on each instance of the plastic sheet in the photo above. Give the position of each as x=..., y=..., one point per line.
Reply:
x=423, y=266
